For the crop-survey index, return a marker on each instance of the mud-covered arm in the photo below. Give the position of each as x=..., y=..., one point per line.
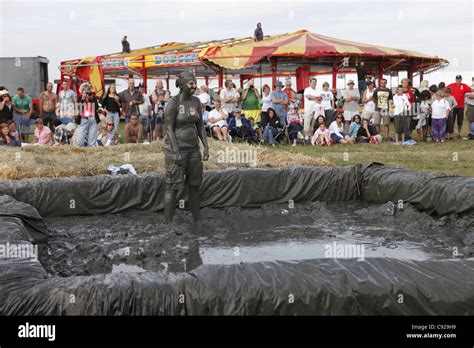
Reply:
x=171, y=111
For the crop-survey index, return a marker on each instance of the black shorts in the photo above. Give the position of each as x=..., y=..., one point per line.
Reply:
x=190, y=172
x=458, y=114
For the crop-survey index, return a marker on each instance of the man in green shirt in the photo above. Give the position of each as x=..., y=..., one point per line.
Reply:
x=22, y=110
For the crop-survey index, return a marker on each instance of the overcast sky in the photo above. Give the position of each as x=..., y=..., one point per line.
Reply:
x=62, y=30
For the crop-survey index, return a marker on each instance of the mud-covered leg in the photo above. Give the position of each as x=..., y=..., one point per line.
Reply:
x=170, y=204
x=194, y=203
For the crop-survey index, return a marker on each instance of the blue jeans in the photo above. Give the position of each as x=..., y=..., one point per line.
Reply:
x=115, y=117
x=269, y=134
x=88, y=129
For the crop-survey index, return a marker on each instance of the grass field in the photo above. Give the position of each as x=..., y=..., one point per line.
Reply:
x=456, y=157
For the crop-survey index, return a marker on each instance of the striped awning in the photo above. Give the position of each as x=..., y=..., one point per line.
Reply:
x=301, y=43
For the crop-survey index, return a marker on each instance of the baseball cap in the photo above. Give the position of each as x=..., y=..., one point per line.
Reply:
x=458, y=77
x=279, y=84
x=350, y=82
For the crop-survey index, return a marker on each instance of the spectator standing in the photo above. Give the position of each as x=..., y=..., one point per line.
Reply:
x=229, y=97
x=130, y=98
x=439, y=114
x=258, y=33
x=288, y=90
x=382, y=98
x=204, y=96
x=351, y=103
x=368, y=112
x=158, y=99
x=279, y=102
x=250, y=100
x=125, y=45
x=133, y=131
x=6, y=107
x=450, y=120
x=111, y=104
x=328, y=103
x=400, y=120
x=47, y=107
x=145, y=110
x=43, y=135
x=67, y=107
x=88, y=118
x=424, y=112
x=459, y=91
x=310, y=94
x=469, y=102
x=266, y=102
x=22, y=110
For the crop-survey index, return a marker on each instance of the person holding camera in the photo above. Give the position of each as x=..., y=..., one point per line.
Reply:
x=250, y=100
x=88, y=118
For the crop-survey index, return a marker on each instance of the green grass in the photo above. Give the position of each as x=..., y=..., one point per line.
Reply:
x=422, y=156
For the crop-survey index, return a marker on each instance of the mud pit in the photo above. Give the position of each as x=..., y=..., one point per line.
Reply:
x=139, y=241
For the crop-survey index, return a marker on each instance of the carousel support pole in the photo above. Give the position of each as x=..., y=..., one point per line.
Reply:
x=206, y=79
x=334, y=75
x=273, y=64
x=221, y=78
x=144, y=73
x=380, y=72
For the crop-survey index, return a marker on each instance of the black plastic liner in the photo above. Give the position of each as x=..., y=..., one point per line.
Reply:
x=315, y=287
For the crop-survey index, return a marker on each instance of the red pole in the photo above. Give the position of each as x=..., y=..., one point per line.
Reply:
x=144, y=73
x=206, y=78
x=221, y=78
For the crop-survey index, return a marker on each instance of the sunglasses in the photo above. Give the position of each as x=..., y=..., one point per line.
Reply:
x=339, y=117
x=110, y=124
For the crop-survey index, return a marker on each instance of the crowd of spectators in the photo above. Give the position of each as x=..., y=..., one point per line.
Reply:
x=270, y=116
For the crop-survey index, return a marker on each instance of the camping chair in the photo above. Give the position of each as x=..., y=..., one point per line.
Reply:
x=282, y=135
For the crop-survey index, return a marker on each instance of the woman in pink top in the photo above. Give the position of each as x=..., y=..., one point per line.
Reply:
x=42, y=133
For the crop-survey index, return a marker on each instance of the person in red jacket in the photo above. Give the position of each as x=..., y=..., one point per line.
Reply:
x=458, y=91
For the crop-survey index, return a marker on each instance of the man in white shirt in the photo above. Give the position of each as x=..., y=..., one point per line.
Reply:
x=310, y=95
x=145, y=111
x=351, y=103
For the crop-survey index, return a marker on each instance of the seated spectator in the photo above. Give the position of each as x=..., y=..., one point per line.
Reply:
x=354, y=126
x=366, y=133
x=218, y=121
x=14, y=134
x=63, y=134
x=320, y=119
x=5, y=138
x=337, y=133
x=43, y=135
x=239, y=126
x=108, y=136
x=133, y=131
x=270, y=123
x=257, y=130
x=322, y=136
x=295, y=123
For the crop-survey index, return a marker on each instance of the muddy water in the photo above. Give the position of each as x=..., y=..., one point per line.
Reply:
x=140, y=241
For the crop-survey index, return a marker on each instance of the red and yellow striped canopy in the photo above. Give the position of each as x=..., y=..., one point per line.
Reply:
x=301, y=43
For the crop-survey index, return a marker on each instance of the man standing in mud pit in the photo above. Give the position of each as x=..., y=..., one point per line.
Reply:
x=184, y=128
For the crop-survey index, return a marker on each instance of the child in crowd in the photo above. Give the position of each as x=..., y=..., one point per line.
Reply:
x=322, y=136
x=423, y=114
x=439, y=114
x=254, y=125
x=401, y=119
x=450, y=121
x=295, y=123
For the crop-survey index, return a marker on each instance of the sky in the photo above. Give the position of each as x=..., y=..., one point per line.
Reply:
x=62, y=30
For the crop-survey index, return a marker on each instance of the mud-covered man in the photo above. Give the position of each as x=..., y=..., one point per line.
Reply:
x=183, y=161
